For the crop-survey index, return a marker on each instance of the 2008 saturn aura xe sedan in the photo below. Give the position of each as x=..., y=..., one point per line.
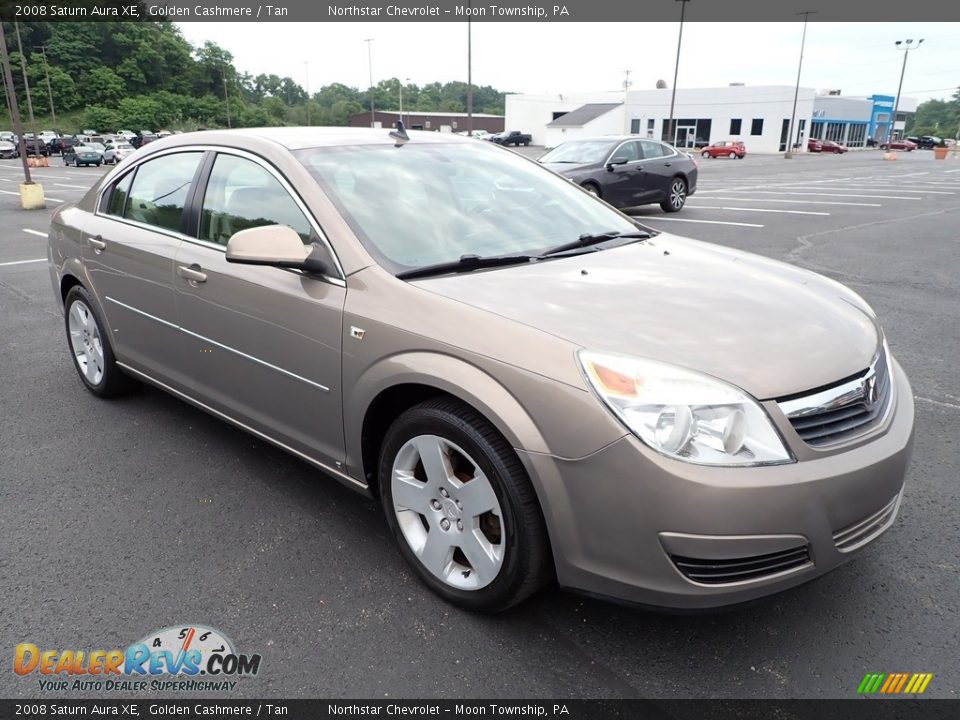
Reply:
x=536, y=387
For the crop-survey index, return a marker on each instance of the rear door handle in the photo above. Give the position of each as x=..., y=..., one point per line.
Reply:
x=192, y=273
x=97, y=243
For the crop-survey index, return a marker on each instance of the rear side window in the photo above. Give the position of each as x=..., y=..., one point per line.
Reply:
x=652, y=149
x=241, y=194
x=160, y=189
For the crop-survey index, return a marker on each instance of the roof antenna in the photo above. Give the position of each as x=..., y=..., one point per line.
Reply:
x=400, y=134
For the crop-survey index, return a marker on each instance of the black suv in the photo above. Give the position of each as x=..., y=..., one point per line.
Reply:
x=925, y=142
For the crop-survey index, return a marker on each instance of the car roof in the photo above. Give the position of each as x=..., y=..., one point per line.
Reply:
x=297, y=138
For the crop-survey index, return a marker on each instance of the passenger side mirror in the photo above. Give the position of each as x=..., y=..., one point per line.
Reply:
x=277, y=246
x=618, y=160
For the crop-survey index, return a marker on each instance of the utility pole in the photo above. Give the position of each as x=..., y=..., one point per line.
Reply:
x=907, y=47
x=26, y=84
x=15, y=112
x=226, y=97
x=369, y=42
x=796, y=92
x=46, y=70
x=676, y=69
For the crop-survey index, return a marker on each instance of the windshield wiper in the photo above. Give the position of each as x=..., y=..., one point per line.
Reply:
x=466, y=263
x=588, y=239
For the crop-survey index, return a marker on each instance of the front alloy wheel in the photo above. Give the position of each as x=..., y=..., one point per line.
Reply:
x=462, y=508
x=676, y=197
x=90, y=347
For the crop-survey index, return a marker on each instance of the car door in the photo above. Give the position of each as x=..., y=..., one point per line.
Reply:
x=263, y=342
x=659, y=164
x=623, y=184
x=128, y=250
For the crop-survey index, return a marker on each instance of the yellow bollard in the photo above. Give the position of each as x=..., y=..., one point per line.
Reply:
x=31, y=196
x=889, y=156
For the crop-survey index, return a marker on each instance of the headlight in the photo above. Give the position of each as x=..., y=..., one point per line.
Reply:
x=685, y=414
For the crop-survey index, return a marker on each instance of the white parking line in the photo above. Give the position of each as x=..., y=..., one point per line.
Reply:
x=22, y=262
x=913, y=192
x=34, y=232
x=11, y=192
x=838, y=195
x=765, y=210
x=706, y=222
x=39, y=175
x=78, y=187
x=793, y=202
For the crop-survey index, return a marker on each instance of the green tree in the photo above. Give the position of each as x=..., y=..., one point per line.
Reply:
x=102, y=119
x=103, y=86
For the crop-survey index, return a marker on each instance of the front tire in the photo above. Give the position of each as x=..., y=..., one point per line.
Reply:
x=90, y=347
x=592, y=189
x=676, y=196
x=461, y=507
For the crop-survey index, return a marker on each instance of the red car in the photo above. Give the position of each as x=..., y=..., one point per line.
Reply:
x=833, y=147
x=814, y=145
x=733, y=149
x=899, y=145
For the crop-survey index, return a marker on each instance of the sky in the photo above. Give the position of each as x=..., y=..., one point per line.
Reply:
x=855, y=58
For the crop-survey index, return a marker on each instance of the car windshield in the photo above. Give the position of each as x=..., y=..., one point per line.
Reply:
x=426, y=203
x=123, y=146
x=580, y=152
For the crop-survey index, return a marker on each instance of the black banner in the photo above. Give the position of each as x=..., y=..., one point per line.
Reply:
x=859, y=709
x=644, y=11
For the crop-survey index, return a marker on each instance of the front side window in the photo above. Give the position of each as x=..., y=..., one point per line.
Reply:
x=242, y=194
x=425, y=203
x=160, y=189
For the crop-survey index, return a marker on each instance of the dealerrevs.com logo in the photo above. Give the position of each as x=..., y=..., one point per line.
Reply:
x=179, y=658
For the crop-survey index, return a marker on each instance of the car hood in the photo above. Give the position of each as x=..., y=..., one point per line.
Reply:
x=568, y=168
x=765, y=326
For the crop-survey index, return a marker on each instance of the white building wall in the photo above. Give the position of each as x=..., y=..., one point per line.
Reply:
x=531, y=113
x=610, y=123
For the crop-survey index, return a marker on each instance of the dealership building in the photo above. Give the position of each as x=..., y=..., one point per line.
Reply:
x=757, y=115
x=449, y=122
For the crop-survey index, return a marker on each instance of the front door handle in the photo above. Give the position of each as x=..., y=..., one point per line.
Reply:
x=666, y=164
x=192, y=273
x=97, y=243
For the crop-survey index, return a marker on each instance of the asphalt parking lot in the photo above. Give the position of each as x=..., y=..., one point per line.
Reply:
x=127, y=516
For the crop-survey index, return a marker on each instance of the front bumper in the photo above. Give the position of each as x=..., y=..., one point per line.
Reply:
x=620, y=518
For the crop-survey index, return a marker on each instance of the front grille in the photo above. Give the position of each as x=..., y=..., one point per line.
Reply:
x=842, y=411
x=730, y=570
x=863, y=531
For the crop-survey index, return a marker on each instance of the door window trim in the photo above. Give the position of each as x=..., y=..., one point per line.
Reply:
x=194, y=201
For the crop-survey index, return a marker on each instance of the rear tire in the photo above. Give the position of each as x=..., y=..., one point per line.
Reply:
x=461, y=507
x=732, y=156
x=90, y=347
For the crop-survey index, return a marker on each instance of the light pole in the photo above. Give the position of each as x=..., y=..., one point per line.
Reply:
x=46, y=70
x=676, y=69
x=26, y=85
x=626, y=90
x=306, y=65
x=469, y=69
x=796, y=93
x=369, y=42
x=226, y=96
x=906, y=46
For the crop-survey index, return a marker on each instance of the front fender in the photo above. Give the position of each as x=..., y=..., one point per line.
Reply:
x=448, y=374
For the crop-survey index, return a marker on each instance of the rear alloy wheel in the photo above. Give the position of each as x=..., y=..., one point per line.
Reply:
x=732, y=156
x=677, y=196
x=462, y=508
x=90, y=347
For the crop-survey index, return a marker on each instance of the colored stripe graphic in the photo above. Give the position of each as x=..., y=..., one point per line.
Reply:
x=894, y=683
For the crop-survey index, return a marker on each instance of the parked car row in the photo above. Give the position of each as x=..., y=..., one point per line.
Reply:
x=50, y=142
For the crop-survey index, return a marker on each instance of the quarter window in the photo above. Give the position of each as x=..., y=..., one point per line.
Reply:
x=160, y=190
x=119, y=195
x=240, y=195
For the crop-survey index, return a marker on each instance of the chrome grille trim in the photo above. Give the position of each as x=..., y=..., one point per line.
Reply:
x=744, y=569
x=860, y=533
x=845, y=411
